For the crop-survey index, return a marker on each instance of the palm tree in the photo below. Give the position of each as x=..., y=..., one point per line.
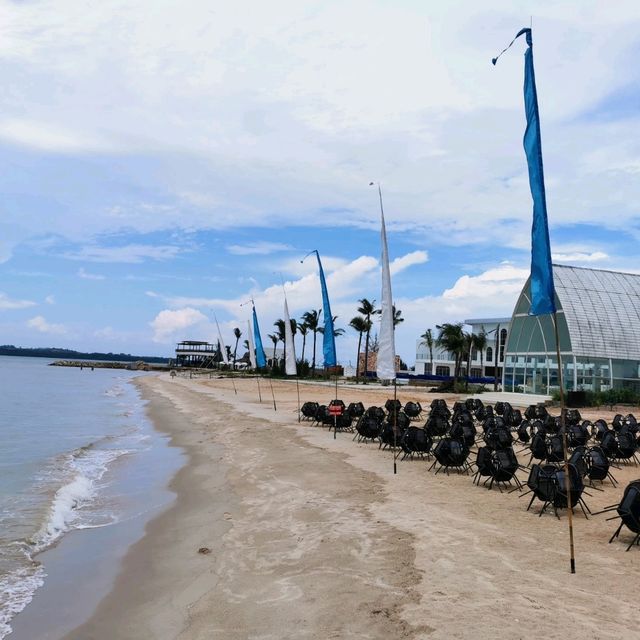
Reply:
x=312, y=320
x=303, y=329
x=237, y=333
x=279, y=324
x=480, y=343
x=468, y=346
x=428, y=341
x=451, y=339
x=360, y=325
x=275, y=338
x=367, y=309
x=397, y=316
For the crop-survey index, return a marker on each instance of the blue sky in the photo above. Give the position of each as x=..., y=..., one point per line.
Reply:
x=164, y=162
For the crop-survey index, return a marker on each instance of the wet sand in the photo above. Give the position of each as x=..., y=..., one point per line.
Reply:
x=280, y=531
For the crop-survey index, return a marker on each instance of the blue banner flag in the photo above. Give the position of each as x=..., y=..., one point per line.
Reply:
x=328, y=339
x=261, y=359
x=542, y=289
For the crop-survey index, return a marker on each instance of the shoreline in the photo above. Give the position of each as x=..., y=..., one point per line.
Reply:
x=311, y=537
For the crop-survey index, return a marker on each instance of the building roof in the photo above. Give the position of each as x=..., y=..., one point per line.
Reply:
x=601, y=309
x=473, y=321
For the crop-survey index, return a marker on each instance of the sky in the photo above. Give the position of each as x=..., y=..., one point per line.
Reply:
x=164, y=161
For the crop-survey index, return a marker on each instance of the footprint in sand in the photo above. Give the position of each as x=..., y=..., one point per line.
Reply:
x=227, y=516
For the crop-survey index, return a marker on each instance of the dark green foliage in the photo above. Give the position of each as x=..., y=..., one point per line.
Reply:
x=70, y=354
x=610, y=397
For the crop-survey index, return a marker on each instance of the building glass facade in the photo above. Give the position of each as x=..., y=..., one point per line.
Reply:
x=598, y=315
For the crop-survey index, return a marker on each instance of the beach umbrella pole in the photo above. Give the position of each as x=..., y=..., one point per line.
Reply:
x=273, y=395
x=567, y=479
x=259, y=394
x=298, y=390
x=395, y=426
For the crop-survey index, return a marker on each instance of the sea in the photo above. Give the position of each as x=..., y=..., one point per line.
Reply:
x=82, y=471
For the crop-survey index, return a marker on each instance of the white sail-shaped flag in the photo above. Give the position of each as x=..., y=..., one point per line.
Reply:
x=386, y=365
x=223, y=349
x=289, y=347
x=252, y=346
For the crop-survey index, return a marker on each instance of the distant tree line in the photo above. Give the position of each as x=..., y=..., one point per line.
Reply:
x=69, y=354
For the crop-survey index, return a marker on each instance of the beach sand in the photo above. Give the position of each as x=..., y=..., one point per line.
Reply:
x=281, y=531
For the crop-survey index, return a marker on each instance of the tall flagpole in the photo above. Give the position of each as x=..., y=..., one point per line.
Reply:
x=541, y=281
x=225, y=359
x=386, y=361
x=252, y=352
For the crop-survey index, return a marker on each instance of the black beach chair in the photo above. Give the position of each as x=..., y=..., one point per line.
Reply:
x=505, y=465
x=416, y=442
x=308, y=410
x=627, y=446
x=629, y=513
x=598, y=467
x=368, y=427
x=355, y=409
x=413, y=410
x=538, y=448
x=451, y=454
x=484, y=465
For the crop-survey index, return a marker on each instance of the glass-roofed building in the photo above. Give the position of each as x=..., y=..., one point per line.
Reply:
x=599, y=330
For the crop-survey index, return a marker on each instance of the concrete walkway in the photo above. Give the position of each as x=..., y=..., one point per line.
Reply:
x=514, y=399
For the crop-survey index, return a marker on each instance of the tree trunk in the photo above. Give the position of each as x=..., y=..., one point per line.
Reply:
x=313, y=365
x=366, y=352
x=358, y=356
x=235, y=350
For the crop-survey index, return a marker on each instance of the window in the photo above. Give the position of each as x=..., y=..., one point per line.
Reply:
x=474, y=353
x=503, y=341
x=489, y=354
x=476, y=372
x=442, y=371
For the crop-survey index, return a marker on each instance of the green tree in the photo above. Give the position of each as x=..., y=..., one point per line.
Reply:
x=303, y=329
x=360, y=325
x=275, y=339
x=312, y=320
x=480, y=343
x=451, y=339
x=428, y=341
x=238, y=334
x=397, y=317
x=367, y=308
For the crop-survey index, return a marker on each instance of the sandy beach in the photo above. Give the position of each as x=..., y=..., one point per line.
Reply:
x=280, y=531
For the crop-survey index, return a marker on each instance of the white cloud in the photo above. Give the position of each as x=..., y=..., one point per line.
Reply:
x=494, y=284
x=50, y=299
x=296, y=137
x=258, y=248
x=408, y=260
x=7, y=303
x=572, y=258
x=50, y=137
x=172, y=325
x=131, y=253
x=40, y=324
x=89, y=276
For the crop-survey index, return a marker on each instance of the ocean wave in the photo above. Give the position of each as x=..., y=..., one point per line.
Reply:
x=85, y=468
x=17, y=588
x=115, y=391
